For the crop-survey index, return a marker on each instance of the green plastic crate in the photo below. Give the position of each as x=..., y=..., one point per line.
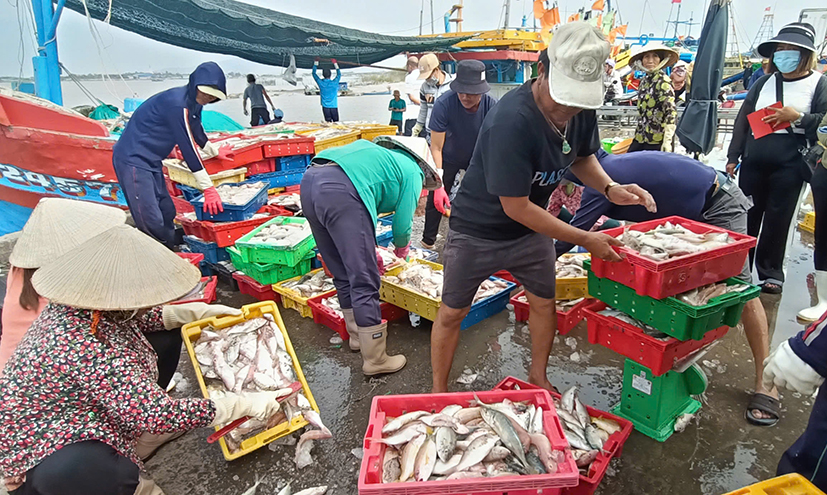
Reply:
x=671, y=315
x=268, y=274
x=265, y=253
x=653, y=403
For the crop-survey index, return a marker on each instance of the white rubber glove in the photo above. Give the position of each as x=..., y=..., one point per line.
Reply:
x=210, y=149
x=177, y=315
x=417, y=129
x=258, y=405
x=668, y=136
x=202, y=180
x=785, y=369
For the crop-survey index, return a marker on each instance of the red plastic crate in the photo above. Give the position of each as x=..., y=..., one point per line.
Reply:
x=297, y=145
x=172, y=187
x=661, y=279
x=193, y=258
x=566, y=320
x=238, y=158
x=276, y=211
x=261, y=167
x=222, y=233
x=630, y=341
x=295, y=188
x=182, y=205
x=506, y=275
x=325, y=316
x=382, y=406
x=209, y=292
x=248, y=285
x=611, y=449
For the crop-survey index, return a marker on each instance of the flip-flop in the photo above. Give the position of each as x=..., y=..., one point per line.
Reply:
x=766, y=404
x=771, y=288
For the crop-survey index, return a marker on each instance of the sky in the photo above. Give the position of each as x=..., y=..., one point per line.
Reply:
x=122, y=51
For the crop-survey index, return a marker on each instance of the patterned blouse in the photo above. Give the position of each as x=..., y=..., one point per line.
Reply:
x=65, y=385
x=656, y=105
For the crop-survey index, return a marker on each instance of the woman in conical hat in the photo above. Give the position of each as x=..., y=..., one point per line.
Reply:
x=55, y=226
x=80, y=395
x=656, y=98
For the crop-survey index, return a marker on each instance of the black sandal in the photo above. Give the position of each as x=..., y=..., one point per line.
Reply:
x=765, y=404
x=771, y=288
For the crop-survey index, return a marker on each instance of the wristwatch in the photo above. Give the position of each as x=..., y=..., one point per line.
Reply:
x=609, y=186
x=797, y=122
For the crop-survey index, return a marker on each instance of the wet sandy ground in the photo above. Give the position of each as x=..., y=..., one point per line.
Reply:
x=717, y=453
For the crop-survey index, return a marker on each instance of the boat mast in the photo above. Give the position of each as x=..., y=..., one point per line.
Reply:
x=46, y=63
x=507, y=13
x=432, y=16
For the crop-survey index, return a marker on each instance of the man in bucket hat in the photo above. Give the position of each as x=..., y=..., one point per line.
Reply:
x=342, y=193
x=528, y=141
x=455, y=123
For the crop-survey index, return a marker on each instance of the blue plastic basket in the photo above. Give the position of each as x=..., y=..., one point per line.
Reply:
x=212, y=253
x=282, y=178
x=429, y=255
x=295, y=162
x=386, y=238
x=232, y=213
x=315, y=262
x=189, y=192
x=489, y=306
x=224, y=274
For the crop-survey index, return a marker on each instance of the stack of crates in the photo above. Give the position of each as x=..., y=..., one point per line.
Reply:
x=654, y=393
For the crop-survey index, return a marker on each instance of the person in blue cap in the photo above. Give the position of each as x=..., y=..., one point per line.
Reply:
x=170, y=118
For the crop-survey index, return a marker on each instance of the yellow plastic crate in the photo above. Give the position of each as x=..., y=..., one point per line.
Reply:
x=178, y=172
x=370, y=132
x=572, y=288
x=191, y=332
x=809, y=223
x=291, y=299
x=789, y=484
x=323, y=144
x=275, y=190
x=405, y=298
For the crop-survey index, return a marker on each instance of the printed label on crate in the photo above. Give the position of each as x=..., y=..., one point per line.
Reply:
x=639, y=382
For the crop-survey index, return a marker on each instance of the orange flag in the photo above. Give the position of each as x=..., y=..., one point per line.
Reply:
x=557, y=19
x=612, y=36
x=599, y=21
x=539, y=9
x=622, y=29
x=551, y=18
x=574, y=17
x=598, y=5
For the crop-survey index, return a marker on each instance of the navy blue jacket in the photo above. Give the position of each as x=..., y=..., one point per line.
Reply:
x=166, y=119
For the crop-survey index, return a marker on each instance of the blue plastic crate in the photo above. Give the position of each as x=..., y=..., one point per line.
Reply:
x=224, y=274
x=489, y=306
x=189, y=192
x=212, y=253
x=283, y=178
x=315, y=263
x=385, y=239
x=206, y=271
x=295, y=162
x=231, y=213
x=429, y=255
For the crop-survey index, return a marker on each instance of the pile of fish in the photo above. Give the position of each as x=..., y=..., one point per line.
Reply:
x=671, y=240
x=571, y=266
x=388, y=258
x=197, y=292
x=647, y=329
x=488, y=288
x=561, y=306
x=702, y=295
x=311, y=284
x=586, y=434
x=485, y=440
x=281, y=233
x=418, y=253
x=332, y=303
x=419, y=277
x=291, y=202
x=252, y=357
x=329, y=133
x=239, y=195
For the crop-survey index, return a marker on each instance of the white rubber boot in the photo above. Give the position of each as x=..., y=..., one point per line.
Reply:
x=375, y=360
x=352, y=329
x=815, y=312
x=147, y=487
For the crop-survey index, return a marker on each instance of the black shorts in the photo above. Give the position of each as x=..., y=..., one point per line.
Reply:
x=330, y=114
x=470, y=260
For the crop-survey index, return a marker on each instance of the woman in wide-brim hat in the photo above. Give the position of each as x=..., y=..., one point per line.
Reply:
x=655, y=98
x=81, y=389
x=55, y=226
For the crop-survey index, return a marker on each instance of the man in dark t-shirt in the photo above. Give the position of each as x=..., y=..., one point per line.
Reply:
x=258, y=108
x=498, y=220
x=455, y=123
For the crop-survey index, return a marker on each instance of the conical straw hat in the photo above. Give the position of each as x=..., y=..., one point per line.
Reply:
x=418, y=149
x=58, y=225
x=119, y=269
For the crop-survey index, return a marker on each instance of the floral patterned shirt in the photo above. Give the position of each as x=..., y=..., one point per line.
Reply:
x=656, y=105
x=65, y=385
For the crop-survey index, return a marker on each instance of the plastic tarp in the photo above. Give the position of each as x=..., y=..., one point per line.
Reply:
x=105, y=112
x=251, y=32
x=218, y=122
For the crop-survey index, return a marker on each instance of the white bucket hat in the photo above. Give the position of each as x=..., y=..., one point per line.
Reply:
x=576, y=53
x=419, y=150
x=120, y=269
x=58, y=225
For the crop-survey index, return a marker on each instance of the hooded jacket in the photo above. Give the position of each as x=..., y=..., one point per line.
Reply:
x=166, y=119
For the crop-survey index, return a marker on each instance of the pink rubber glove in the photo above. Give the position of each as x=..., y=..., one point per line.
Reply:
x=402, y=252
x=441, y=200
x=380, y=264
x=212, y=201
x=225, y=152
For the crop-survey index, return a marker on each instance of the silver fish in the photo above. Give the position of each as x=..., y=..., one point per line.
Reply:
x=222, y=369
x=287, y=490
x=252, y=489
x=576, y=440
x=405, y=435
x=425, y=460
x=569, y=420
x=446, y=442
x=537, y=422
x=445, y=468
x=391, y=468
x=401, y=421
x=580, y=412
x=450, y=410
x=593, y=436
x=316, y=490
x=409, y=455
x=476, y=452
x=503, y=427
x=567, y=401
x=467, y=414
x=437, y=420
x=535, y=462
x=498, y=453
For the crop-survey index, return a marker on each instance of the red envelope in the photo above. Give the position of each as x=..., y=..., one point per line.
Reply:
x=761, y=128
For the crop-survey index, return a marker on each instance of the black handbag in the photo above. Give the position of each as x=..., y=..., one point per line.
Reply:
x=810, y=155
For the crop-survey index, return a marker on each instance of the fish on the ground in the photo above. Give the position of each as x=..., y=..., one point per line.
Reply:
x=671, y=241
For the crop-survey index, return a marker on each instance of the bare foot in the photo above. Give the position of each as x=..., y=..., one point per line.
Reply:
x=759, y=414
x=543, y=383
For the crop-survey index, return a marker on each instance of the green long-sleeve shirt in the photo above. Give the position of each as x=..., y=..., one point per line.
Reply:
x=386, y=180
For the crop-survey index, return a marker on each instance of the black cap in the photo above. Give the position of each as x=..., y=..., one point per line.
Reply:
x=799, y=34
x=470, y=78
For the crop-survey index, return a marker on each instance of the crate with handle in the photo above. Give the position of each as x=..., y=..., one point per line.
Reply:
x=788, y=484
x=280, y=178
x=180, y=173
x=238, y=158
x=248, y=285
x=212, y=253
x=224, y=234
x=288, y=146
x=210, y=284
x=566, y=320
x=292, y=299
x=231, y=213
x=261, y=252
x=295, y=163
x=191, y=332
x=327, y=317
x=267, y=274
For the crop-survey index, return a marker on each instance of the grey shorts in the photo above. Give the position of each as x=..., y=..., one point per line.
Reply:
x=470, y=260
x=728, y=210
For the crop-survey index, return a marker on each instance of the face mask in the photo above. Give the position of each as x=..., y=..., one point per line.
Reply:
x=433, y=80
x=786, y=60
